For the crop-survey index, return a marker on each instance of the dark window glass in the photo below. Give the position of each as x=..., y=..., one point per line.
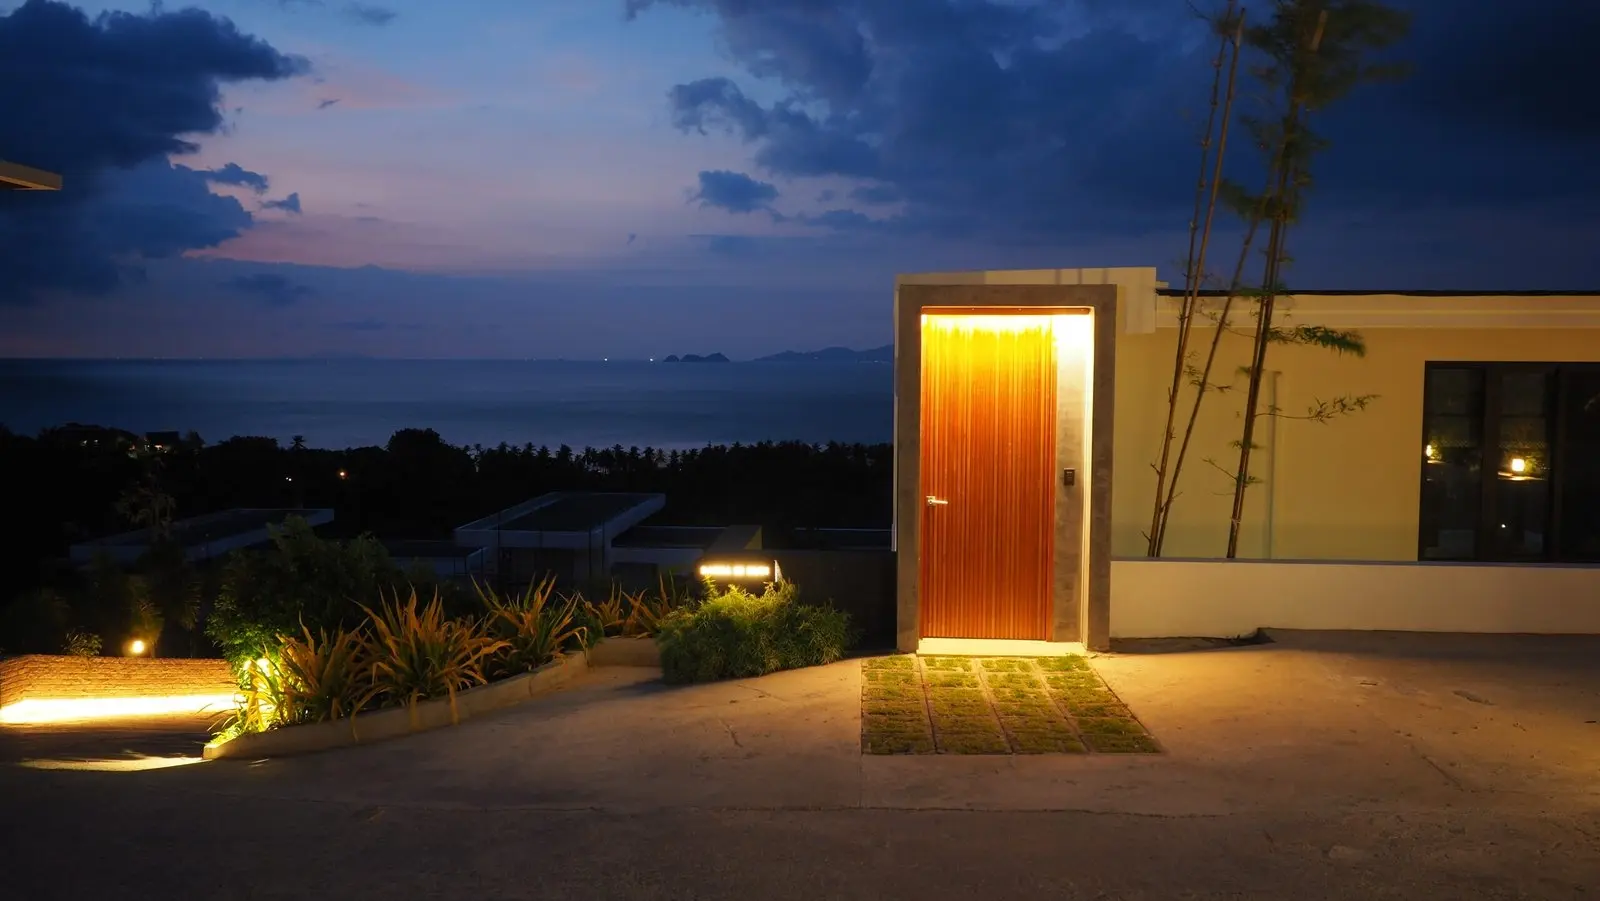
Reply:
x=1521, y=513
x=1580, y=465
x=1452, y=452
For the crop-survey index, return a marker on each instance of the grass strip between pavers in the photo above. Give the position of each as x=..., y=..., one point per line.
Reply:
x=994, y=705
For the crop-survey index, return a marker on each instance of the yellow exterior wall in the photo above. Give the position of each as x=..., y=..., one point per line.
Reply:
x=1345, y=490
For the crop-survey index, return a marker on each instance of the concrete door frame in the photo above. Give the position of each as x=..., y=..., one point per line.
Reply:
x=1093, y=616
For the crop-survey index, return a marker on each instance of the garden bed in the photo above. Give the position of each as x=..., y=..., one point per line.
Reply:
x=394, y=722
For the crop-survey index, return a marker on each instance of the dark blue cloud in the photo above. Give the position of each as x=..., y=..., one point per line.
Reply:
x=290, y=204
x=876, y=194
x=270, y=288
x=104, y=102
x=734, y=192
x=357, y=12
x=1037, y=120
x=234, y=174
x=368, y=14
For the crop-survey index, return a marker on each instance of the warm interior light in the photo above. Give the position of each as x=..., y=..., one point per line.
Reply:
x=735, y=571
x=136, y=647
x=1519, y=465
x=30, y=711
x=992, y=383
x=1429, y=452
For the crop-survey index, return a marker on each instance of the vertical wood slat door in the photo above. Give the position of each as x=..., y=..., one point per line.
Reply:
x=988, y=463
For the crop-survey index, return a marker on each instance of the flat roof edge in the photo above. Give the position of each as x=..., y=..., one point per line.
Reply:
x=17, y=177
x=313, y=515
x=1392, y=292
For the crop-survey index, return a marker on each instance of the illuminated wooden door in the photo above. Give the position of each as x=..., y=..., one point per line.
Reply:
x=988, y=474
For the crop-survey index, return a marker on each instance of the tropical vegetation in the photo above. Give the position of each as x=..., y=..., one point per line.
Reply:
x=407, y=649
x=733, y=633
x=75, y=483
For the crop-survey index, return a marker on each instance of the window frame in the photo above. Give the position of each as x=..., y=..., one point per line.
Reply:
x=1558, y=394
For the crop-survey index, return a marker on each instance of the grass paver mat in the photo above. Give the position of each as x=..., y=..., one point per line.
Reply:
x=993, y=705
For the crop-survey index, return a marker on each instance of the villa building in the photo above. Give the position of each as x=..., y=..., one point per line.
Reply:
x=1463, y=496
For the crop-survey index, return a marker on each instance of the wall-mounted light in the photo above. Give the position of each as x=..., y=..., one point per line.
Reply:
x=1430, y=452
x=741, y=570
x=137, y=647
x=1519, y=465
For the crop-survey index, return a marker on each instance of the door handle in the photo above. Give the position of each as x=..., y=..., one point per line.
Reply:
x=937, y=501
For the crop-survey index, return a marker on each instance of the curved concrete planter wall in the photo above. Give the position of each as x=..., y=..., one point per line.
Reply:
x=365, y=728
x=625, y=652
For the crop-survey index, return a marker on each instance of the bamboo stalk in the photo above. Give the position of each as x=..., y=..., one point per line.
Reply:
x=1194, y=275
x=1164, y=504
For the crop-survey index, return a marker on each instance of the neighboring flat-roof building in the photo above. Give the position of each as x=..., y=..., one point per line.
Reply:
x=446, y=560
x=202, y=537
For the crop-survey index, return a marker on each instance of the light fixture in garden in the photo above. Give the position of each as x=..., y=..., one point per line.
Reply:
x=747, y=569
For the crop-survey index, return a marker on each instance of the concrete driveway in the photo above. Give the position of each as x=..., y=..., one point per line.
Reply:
x=125, y=744
x=1321, y=766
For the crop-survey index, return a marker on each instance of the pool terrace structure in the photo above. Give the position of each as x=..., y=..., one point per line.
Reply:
x=446, y=560
x=568, y=533
x=202, y=537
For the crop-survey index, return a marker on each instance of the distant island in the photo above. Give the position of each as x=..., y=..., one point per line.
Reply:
x=884, y=354
x=696, y=358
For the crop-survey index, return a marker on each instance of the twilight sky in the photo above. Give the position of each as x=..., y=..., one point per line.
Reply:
x=630, y=178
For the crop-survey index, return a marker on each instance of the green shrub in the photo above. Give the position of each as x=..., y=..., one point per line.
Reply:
x=302, y=581
x=734, y=634
x=81, y=644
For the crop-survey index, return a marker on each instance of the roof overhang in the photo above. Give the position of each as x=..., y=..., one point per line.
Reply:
x=1146, y=304
x=25, y=178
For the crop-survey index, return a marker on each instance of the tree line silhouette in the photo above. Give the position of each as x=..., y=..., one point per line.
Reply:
x=75, y=483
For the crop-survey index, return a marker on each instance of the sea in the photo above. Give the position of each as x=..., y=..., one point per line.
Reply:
x=353, y=403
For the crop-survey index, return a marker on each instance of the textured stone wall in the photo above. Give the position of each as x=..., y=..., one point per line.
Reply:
x=42, y=677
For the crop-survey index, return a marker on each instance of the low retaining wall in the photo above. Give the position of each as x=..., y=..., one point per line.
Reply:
x=1223, y=598
x=625, y=652
x=394, y=722
x=39, y=686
